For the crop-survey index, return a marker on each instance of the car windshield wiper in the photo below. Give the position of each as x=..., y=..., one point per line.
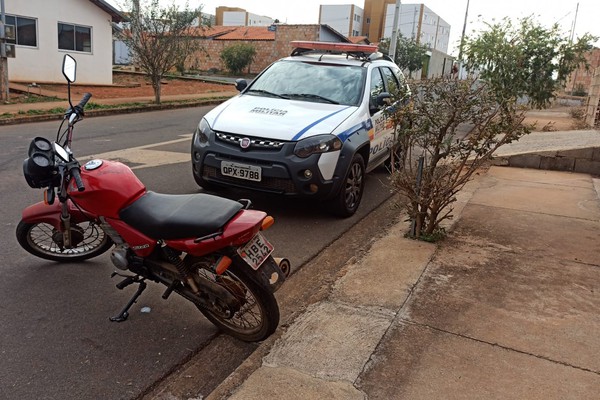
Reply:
x=266, y=92
x=312, y=96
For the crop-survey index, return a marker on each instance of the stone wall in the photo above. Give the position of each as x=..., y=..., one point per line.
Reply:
x=586, y=160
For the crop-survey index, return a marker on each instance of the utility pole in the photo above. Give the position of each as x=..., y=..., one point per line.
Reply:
x=462, y=40
x=394, y=39
x=3, y=59
x=573, y=26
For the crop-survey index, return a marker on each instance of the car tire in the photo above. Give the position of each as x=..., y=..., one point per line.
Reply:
x=346, y=202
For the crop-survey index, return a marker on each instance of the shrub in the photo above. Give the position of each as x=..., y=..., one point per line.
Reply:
x=237, y=57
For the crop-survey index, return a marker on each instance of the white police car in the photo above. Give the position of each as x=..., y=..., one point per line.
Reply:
x=310, y=125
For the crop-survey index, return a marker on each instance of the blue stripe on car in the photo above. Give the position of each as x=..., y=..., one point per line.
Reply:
x=348, y=132
x=303, y=131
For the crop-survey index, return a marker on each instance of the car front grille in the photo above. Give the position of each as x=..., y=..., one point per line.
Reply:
x=255, y=143
x=268, y=184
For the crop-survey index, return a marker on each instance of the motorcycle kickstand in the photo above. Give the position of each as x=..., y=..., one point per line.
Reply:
x=122, y=316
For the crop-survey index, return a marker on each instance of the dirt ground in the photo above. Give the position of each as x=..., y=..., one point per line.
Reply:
x=556, y=118
x=130, y=85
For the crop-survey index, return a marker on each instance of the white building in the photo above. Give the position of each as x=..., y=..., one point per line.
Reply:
x=347, y=19
x=46, y=31
x=245, y=18
x=419, y=22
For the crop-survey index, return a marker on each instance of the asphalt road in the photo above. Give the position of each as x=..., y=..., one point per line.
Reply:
x=56, y=341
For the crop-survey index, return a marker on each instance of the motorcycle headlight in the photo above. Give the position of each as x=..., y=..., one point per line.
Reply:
x=202, y=132
x=316, y=145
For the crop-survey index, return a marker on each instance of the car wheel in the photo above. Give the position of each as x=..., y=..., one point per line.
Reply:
x=348, y=199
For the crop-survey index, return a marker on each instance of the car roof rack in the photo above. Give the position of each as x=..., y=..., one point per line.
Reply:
x=365, y=52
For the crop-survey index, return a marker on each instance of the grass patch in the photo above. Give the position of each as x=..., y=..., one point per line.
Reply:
x=38, y=99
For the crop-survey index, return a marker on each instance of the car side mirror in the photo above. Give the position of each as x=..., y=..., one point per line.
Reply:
x=241, y=84
x=383, y=99
x=69, y=68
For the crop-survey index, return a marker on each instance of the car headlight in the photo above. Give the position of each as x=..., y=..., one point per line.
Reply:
x=202, y=132
x=316, y=145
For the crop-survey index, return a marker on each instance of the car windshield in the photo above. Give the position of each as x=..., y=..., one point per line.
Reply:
x=314, y=82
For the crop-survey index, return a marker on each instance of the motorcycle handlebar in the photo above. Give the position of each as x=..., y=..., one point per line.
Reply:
x=75, y=174
x=84, y=100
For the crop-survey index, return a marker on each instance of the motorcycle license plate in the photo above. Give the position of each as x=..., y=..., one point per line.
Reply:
x=241, y=171
x=256, y=251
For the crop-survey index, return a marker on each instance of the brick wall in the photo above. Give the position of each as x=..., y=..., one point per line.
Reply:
x=267, y=51
x=583, y=77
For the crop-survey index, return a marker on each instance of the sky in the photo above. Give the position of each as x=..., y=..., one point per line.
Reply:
x=547, y=12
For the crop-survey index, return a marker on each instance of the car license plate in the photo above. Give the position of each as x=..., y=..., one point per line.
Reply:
x=256, y=251
x=241, y=171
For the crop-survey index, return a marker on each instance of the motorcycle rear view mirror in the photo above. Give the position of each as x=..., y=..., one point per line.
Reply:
x=60, y=152
x=69, y=68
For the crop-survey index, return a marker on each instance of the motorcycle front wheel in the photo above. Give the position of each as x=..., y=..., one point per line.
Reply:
x=44, y=241
x=256, y=315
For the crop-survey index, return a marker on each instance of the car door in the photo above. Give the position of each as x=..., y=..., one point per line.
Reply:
x=380, y=135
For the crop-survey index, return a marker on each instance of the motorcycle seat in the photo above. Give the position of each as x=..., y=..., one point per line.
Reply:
x=179, y=216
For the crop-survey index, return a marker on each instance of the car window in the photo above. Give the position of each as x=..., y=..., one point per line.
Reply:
x=401, y=80
x=391, y=82
x=315, y=82
x=376, y=86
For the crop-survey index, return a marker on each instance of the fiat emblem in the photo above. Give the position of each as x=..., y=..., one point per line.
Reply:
x=245, y=143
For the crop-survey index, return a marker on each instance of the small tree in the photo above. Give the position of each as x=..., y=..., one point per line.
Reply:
x=159, y=39
x=238, y=56
x=433, y=132
x=527, y=61
x=409, y=53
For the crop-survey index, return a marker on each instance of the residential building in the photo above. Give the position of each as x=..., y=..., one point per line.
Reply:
x=347, y=19
x=419, y=22
x=271, y=43
x=416, y=21
x=45, y=32
x=374, y=18
x=234, y=16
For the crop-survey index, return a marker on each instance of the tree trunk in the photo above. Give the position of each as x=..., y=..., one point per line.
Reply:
x=156, y=87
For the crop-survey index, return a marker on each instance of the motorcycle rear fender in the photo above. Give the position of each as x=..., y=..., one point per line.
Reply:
x=50, y=214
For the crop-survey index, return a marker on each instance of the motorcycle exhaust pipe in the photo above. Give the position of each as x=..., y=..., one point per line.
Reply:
x=285, y=265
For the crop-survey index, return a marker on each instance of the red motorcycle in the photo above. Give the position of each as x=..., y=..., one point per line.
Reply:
x=208, y=249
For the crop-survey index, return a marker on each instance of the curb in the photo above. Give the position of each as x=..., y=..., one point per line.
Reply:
x=115, y=111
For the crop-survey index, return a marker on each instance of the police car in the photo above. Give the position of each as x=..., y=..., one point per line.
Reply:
x=310, y=125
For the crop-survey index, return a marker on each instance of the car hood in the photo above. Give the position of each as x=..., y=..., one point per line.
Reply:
x=274, y=118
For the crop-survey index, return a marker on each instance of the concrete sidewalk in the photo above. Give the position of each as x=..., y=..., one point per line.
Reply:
x=506, y=307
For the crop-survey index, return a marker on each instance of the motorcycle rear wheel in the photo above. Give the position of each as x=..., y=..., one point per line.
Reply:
x=258, y=314
x=42, y=240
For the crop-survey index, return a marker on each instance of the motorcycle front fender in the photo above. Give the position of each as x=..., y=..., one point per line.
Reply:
x=50, y=214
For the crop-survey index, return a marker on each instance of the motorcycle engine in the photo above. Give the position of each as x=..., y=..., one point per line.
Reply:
x=119, y=256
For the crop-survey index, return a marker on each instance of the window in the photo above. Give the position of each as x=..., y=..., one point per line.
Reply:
x=376, y=88
x=25, y=30
x=74, y=37
x=391, y=81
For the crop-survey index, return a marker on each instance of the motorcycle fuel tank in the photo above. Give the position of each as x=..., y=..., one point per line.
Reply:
x=109, y=186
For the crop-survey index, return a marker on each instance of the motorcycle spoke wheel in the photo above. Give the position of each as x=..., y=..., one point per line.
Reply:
x=44, y=241
x=256, y=314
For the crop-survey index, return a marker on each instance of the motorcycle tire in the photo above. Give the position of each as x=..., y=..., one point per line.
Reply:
x=258, y=314
x=42, y=240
